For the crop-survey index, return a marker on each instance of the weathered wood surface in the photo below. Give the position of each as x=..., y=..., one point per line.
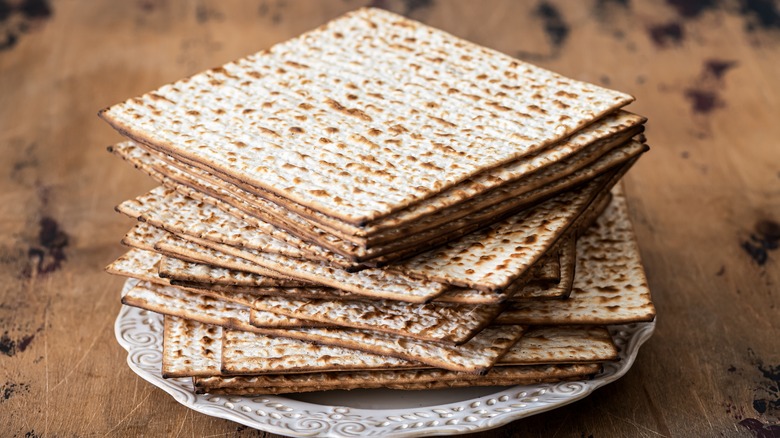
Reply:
x=706, y=199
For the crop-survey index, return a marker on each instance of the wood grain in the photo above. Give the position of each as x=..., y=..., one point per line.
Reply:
x=705, y=199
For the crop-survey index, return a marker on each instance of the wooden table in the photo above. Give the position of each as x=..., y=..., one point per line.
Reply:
x=706, y=199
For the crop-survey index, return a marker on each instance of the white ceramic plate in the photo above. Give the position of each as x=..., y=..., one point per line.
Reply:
x=368, y=412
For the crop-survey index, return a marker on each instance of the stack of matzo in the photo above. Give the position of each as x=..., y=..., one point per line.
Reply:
x=377, y=203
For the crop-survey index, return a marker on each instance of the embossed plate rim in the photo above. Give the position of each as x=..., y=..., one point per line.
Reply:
x=140, y=333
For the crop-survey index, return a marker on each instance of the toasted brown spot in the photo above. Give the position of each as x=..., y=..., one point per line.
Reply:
x=296, y=130
x=269, y=132
x=296, y=64
x=365, y=141
x=443, y=122
x=398, y=129
x=350, y=111
x=156, y=96
x=565, y=94
x=429, y=165
x=318, y=192
x=331, y=130
x=402, y=47
x=498, y=106
x=374, y=132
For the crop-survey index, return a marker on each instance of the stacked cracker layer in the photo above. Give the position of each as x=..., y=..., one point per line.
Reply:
x=377, y=203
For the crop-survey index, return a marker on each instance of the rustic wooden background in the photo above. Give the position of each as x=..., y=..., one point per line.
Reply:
x=706, y=199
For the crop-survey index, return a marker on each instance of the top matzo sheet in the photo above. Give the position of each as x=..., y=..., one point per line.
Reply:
x=363, y=116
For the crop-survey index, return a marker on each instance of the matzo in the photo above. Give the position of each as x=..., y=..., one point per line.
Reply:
x=548, y=268
x=402, y=379
x=435, y=236
x=242, y=119
x=170, y=210
x=139, y=264
x=253, y=353
x=145, y=236
x=499, y=204
x=201, y=307
x=610, y=286
x=491, y=259
x=562, y=344
x=177, y=270
x=612, y=130
x=190, y=180
x=374, y=282
x=190, y=348
x=478, y=354
x=445, y=322
x=547, y=290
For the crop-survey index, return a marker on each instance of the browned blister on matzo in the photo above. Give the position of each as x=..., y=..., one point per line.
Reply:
x=190, y=348
x=445, y=322
x=268, y=118
x=610, y=285
x=401, y=379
